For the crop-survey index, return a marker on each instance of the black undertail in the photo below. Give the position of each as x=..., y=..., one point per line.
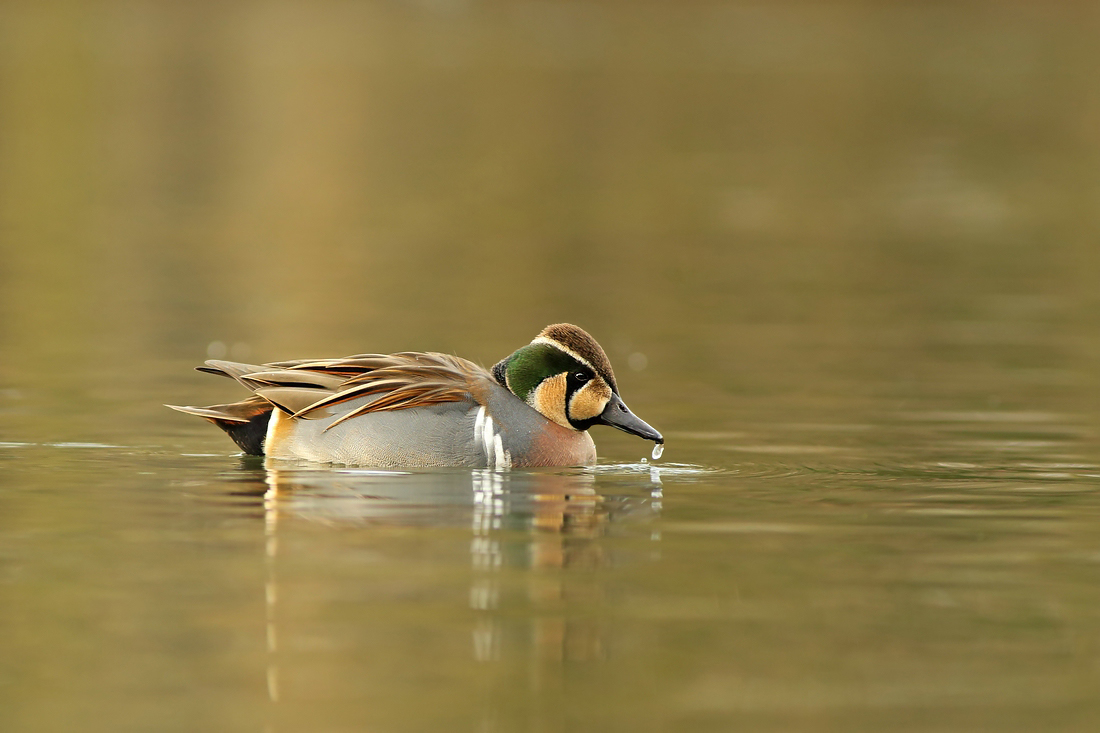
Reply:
x=249, y=435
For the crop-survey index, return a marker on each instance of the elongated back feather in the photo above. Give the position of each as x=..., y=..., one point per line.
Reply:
x=294, y=378
x=236, y=412
x=293, y=399
x=404, y=381
x=307, y=388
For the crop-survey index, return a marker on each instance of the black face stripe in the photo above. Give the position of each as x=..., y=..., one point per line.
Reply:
x=574, y=385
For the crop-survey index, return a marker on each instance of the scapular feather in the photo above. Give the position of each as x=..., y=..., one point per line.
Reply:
x=305, y=388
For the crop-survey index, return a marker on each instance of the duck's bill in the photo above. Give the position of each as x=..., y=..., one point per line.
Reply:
x=618, y=415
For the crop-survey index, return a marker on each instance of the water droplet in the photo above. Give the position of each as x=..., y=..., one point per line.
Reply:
x=658, y=449
x=644, y=460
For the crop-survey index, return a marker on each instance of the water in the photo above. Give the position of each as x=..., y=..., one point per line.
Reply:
x=842, y=258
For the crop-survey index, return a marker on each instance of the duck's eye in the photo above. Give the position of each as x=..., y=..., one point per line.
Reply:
x=581, y=377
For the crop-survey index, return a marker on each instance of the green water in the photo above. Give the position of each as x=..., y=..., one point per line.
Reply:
x=845, y=258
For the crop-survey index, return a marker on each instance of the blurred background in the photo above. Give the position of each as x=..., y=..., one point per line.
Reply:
x=837, y=252
x=776, y=195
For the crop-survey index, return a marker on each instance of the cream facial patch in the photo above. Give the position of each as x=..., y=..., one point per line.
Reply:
x=549, y=399
x=590, y=400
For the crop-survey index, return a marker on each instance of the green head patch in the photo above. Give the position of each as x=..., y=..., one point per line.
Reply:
x=525, y=369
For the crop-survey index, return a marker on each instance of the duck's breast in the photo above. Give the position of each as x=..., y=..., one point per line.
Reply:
x=529, y=439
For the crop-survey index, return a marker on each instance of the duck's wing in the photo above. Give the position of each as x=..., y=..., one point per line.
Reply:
x=312, y=389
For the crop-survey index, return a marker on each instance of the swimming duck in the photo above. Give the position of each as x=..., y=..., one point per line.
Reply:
x=533, y=408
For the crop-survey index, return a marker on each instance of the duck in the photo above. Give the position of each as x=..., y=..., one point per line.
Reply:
x=426, y=409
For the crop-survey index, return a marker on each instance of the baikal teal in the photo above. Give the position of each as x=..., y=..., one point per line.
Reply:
x=534, y=408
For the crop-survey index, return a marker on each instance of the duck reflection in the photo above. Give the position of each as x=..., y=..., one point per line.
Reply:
x=549, y=525
x=565, y=517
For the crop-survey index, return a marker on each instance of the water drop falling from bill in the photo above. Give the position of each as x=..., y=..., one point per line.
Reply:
x=658, y=449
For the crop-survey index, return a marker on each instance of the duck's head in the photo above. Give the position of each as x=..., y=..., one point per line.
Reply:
x=565, y=375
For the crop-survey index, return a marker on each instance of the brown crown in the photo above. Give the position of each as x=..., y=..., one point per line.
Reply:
x=578, y=341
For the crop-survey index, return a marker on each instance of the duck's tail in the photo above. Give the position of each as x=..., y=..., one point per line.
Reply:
x=245, y=422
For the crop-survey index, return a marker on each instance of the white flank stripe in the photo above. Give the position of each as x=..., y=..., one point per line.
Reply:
x=487, y=439
x=479, y=426
x=503, y=458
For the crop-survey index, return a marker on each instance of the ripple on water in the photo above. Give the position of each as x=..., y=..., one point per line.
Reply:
x=694, y=471
x=985, y=471
x=678, y=470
